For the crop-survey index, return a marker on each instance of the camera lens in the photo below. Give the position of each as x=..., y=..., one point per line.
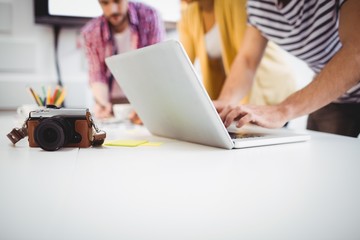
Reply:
x=52, y=133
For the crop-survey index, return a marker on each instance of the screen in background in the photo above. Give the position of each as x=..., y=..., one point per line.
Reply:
x=169, y=9
x=75, y=8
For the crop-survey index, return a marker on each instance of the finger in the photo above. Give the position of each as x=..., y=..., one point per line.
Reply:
x=131, y=115
x=235, y=113
x=225, y=111
x=246, y=119
x=136, y=120
x=218, y=106
x=133, y=119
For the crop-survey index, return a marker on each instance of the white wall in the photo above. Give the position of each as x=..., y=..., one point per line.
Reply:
x=27, y=59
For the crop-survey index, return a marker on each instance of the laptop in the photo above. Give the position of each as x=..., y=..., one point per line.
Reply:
x=164, y=89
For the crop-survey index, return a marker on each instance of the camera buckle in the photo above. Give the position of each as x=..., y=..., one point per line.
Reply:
x=99, y=136
x=18, y=133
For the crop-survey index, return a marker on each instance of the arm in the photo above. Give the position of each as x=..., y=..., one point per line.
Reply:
x=98, y=82
x=102, y=107
x=244, y=67
x=339, y=75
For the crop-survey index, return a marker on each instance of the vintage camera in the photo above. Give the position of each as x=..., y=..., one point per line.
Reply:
x=54, y=128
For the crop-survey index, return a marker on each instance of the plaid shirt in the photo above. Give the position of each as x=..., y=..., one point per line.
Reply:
x=146, y=29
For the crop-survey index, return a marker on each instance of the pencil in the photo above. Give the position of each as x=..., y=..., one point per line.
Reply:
x=54, y=97
x=48, y=96
x=58, y=93
x=35, y=96
x=60, y=100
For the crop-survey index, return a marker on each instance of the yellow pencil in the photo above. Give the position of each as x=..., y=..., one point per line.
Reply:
x=36, y=97
x=48, y=96
x=60, y=99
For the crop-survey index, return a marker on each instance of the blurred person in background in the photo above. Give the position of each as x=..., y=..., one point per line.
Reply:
x=124, y=26
x=212, y=31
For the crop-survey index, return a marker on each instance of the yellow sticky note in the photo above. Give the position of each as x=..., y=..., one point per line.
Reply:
x=125, y=143
x=152, y=144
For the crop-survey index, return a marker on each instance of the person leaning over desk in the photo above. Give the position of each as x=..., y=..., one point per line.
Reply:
x=213, y=31
x=322, y=34
x=124, y=26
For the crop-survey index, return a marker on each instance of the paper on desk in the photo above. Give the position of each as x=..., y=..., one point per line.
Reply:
x=125, y=143
x=152, y=144
x=131, y=143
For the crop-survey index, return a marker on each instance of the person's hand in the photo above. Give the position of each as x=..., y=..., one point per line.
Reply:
x=135, y=119
x=220, y=105
x=264, y=116
x=103, y=111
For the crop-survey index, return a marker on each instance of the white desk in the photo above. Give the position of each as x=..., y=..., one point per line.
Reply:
x=180, y=190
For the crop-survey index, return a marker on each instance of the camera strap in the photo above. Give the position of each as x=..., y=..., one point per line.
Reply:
x=98, y=136
x=18, y=133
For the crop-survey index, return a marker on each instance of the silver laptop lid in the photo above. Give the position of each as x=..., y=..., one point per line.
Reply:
x=163, y=87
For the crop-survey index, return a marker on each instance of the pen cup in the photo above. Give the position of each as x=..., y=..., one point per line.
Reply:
x=24, y=110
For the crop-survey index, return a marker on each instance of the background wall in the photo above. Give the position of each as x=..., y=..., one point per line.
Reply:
x=27, y=58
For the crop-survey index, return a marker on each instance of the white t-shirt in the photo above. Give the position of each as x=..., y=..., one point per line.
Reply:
x=213, y=42
x=124, y=42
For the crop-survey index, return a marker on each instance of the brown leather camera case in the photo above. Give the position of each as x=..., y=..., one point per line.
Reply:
x=83, y=127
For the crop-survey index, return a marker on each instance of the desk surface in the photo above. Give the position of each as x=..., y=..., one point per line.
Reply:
x=179, y=190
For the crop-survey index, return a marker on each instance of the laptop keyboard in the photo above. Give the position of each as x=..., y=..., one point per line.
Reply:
x=244, y=135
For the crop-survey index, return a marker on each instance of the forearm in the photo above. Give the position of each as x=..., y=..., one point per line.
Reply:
x=239, y=81
x=338, y=76
x=101, y=93
x=243, y=69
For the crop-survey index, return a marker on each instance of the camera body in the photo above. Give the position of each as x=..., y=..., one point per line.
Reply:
x=54, y=128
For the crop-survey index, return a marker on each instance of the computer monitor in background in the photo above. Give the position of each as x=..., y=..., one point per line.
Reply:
x=75, y=13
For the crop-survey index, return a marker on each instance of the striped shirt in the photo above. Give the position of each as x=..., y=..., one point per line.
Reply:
x=308, y=29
